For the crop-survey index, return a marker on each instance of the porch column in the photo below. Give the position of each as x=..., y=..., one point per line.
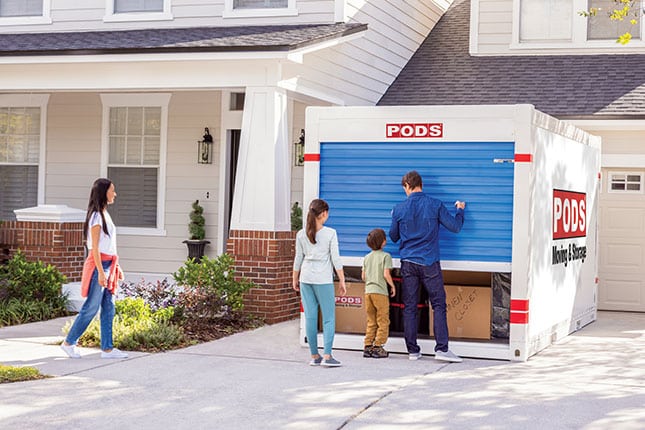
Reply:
x=260, y=239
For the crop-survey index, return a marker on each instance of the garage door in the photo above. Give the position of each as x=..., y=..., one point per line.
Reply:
x=622, y=242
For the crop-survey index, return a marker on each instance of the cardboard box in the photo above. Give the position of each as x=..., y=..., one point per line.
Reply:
x=350, y=309
x=468, y=312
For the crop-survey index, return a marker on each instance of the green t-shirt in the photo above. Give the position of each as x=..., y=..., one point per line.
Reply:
x=374, y=264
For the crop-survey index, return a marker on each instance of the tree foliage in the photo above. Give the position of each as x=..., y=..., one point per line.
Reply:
x=624, y=10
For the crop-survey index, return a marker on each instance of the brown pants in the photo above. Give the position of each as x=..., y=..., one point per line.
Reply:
x=378, y=319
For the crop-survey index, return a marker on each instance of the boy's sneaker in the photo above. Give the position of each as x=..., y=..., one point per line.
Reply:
x=115, y=353
x=447, y=356
x=367, y=352
x=70, y=350
x=330, y=362
x=316, y=361
x=414, y=355
x=379, y=352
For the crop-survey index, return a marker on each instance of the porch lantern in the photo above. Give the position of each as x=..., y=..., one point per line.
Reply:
x=205, y=148
x=299, y=150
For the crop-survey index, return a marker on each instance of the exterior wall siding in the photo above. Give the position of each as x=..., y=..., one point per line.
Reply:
x=73, y=162
x=495, y=26
x=67, y=15
x=359, y=71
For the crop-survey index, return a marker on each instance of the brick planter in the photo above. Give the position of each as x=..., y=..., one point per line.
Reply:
x=57, y=243
x=266, y=258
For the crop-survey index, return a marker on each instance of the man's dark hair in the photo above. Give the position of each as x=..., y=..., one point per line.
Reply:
x=375, y=238
x=413, y=179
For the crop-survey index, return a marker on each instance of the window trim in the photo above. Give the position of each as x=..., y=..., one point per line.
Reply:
x=45, y=18
x=578, y=33
x=111, y=16
x=39, y=101
x=161, y=100
x=610, y=173
x=230, y=12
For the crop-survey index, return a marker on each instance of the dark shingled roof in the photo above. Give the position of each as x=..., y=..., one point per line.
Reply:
x=198, y=39
x=566, y=86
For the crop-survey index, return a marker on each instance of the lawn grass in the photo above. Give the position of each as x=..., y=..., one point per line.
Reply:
x=17, y=374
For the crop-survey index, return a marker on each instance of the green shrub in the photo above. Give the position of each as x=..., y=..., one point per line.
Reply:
x=210, y=289
x=19, y=311
x=30, y=291
x=17, y=374
x=33, y=280
x=137, y=327
x=296, y=217
x=196, y=227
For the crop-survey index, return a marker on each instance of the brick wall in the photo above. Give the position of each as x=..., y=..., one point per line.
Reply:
x=58, y=244
x=266, y=258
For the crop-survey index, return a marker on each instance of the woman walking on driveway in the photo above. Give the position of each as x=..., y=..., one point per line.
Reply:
x=101, y=272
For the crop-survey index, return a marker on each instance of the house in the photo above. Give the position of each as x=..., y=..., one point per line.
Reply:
x=546, y=54
x=127, y=88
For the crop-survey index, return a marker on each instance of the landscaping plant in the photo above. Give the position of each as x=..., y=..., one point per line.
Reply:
x=30, y=291
x=210, y=289
x=137, y=328
x=18, y=374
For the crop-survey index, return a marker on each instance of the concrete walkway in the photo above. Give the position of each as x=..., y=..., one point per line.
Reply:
x=593, y=379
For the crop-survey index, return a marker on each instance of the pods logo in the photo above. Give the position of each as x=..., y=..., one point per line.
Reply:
x=413, y=130
x=569, y=214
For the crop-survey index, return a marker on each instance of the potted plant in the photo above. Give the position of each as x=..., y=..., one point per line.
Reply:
x=196, y=243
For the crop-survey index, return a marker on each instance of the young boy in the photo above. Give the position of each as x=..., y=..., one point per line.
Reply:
x=376, y=274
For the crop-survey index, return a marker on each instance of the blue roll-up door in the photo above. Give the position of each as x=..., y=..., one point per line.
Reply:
x=361, y=181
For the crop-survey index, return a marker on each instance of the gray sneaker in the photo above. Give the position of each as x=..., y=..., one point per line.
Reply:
x=447, y=356
x=316, y=361
x=330, y=362
x=414, y=355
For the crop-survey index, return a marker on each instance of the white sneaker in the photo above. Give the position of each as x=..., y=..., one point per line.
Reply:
x=70, y=350
x=115, y=353
x=414, y=355
x=447, y=356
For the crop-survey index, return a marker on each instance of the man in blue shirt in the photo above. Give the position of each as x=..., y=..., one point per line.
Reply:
x=415, y=222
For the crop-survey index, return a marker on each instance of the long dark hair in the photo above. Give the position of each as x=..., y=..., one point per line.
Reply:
x=98, y=202
x=316, y=207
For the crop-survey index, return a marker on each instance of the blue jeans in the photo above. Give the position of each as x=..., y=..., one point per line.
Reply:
x=313, y=296
x=431, y=278
x=97, y=296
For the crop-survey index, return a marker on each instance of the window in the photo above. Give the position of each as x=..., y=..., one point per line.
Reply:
x=622, y=182
x=236, y=102
x=137, y=10
x=21, y=149
x=134, y=144
x=558, y=24
x=21, y=8
x=259, y=8
x=601, y=27
x=259, y=4
x=123, y=6
x=24, y=12
x=546, y=20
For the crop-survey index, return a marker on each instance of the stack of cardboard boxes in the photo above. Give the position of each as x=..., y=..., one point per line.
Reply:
x=468, y=311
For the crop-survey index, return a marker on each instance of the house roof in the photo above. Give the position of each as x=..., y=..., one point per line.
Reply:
x=197, y=39
x=566, y=86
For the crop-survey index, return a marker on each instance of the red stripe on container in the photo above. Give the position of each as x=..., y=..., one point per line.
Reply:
x=519, y=317
x=312, y=157
x=523, y=158
x=519, y=305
